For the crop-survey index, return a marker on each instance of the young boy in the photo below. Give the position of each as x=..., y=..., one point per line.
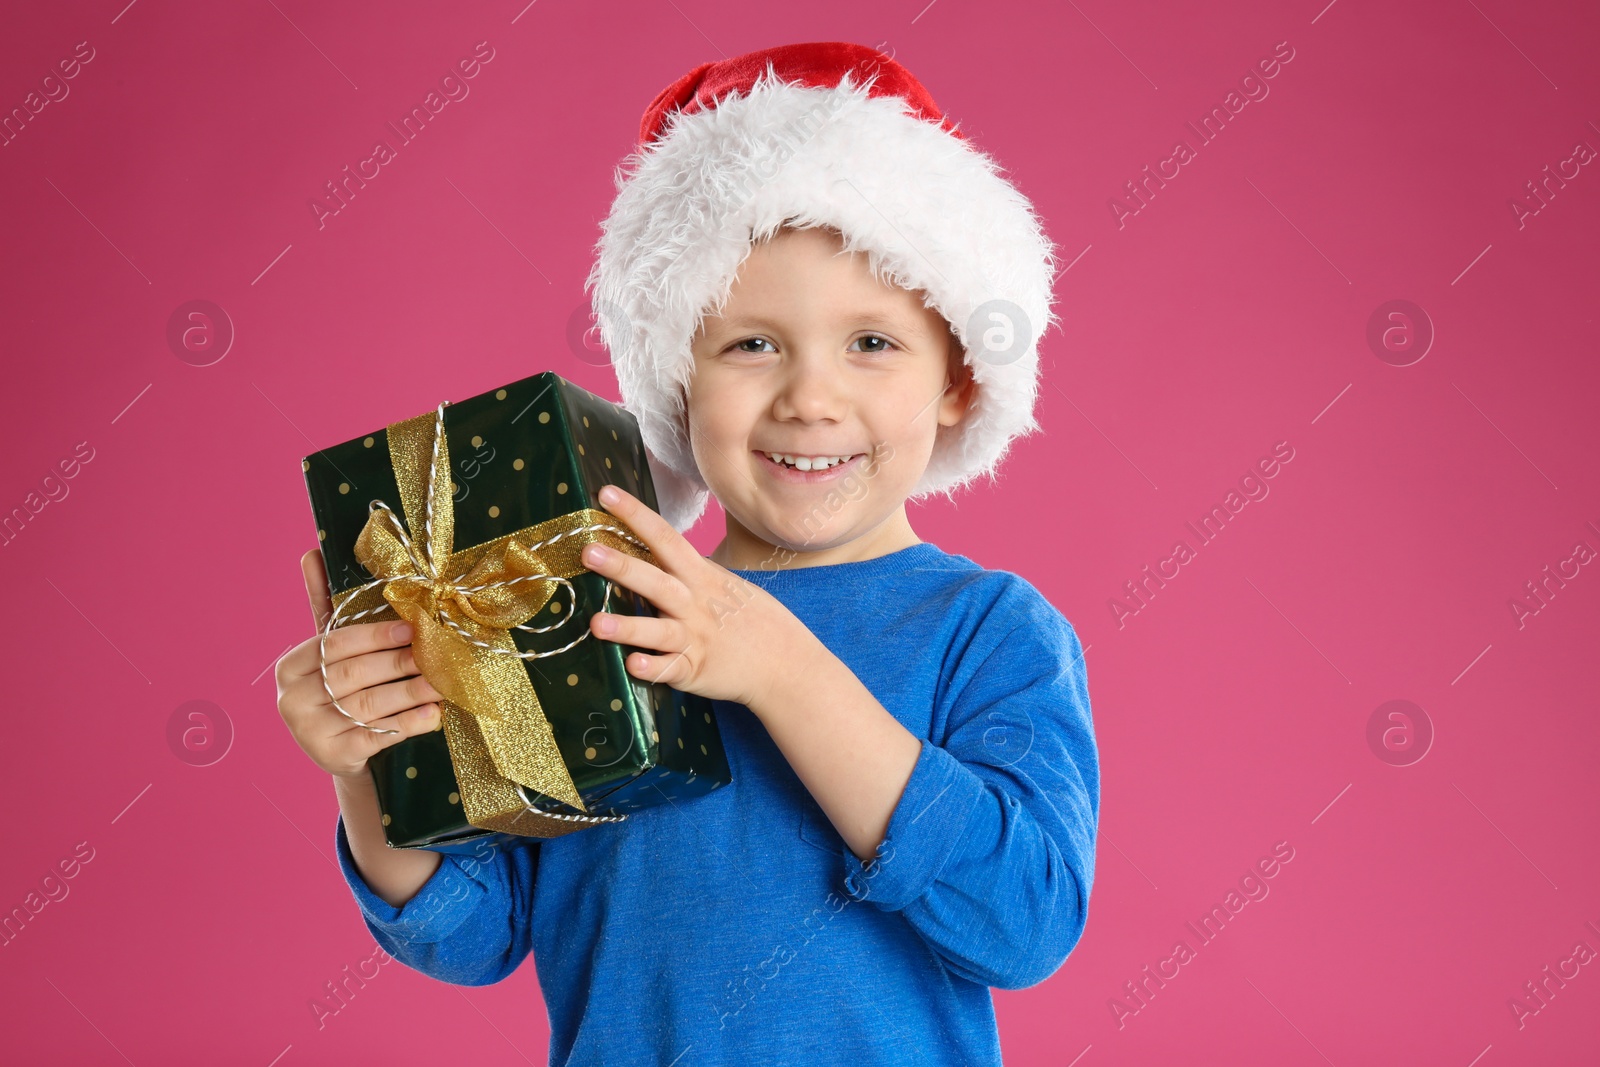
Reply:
x=916, y=790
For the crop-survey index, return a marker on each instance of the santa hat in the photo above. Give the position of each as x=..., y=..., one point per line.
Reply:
x=828, y=134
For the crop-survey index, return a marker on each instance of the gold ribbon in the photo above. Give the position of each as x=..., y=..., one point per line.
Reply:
x=462, y=605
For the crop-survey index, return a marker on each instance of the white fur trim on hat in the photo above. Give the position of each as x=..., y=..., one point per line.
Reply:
x=932, y=212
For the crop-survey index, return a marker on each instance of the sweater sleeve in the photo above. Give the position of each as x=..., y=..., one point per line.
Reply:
x=989, y=853
x=469, y=924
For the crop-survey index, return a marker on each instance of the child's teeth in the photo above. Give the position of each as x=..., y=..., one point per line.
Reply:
x=807, y=463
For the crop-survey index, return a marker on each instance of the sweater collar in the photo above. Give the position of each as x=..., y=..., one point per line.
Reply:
x=785, y=579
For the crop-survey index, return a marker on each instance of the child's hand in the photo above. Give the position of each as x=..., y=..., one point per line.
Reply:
x=719, y=636
x=370, y=670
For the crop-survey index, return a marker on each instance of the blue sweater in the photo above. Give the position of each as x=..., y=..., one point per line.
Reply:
x=738, y=928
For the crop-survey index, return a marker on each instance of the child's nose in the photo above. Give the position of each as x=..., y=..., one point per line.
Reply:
x=812, y=391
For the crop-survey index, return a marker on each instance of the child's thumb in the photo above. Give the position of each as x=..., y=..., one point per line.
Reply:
x=316, y=575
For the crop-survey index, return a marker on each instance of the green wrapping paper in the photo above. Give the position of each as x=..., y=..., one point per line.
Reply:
x=530, y=452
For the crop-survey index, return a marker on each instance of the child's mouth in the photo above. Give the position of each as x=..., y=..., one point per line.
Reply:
x=787, y=468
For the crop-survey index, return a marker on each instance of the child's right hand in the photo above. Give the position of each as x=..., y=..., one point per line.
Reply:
x=372, y=672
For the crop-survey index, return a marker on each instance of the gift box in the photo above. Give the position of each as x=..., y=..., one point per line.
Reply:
x=468, y=522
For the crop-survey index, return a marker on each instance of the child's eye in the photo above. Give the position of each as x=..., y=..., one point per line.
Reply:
x=887, y=344
x=739, y=345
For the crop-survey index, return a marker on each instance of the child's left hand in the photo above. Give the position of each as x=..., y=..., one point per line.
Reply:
x=718, y=635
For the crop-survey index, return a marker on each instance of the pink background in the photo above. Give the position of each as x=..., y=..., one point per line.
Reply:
x=1228, y=315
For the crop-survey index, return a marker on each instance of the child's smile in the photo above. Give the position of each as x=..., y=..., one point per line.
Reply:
x=819, y=391
x=810, y=469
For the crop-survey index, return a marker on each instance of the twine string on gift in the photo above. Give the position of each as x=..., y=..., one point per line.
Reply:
x=586, y=819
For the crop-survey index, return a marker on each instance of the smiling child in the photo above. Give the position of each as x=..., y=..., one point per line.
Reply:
x=822, y=303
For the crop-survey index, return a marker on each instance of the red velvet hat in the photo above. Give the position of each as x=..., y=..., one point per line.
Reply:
x=821, y=65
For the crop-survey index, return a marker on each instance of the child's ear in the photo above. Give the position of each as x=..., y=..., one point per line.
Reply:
x=960, y=388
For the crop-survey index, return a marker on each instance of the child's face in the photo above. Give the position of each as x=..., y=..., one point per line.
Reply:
x=814, y=357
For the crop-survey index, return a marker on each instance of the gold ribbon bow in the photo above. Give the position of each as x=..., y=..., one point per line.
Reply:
x=462, y=605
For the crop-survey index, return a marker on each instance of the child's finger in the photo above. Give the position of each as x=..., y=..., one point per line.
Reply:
x=359, y=744
x=369, y=702
x=359, y=638
x=315, y=572
x=418, y=720
x=375, y=668
x=668, y=669
x=649, y=581
x=640, y=631
x=669, y=546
